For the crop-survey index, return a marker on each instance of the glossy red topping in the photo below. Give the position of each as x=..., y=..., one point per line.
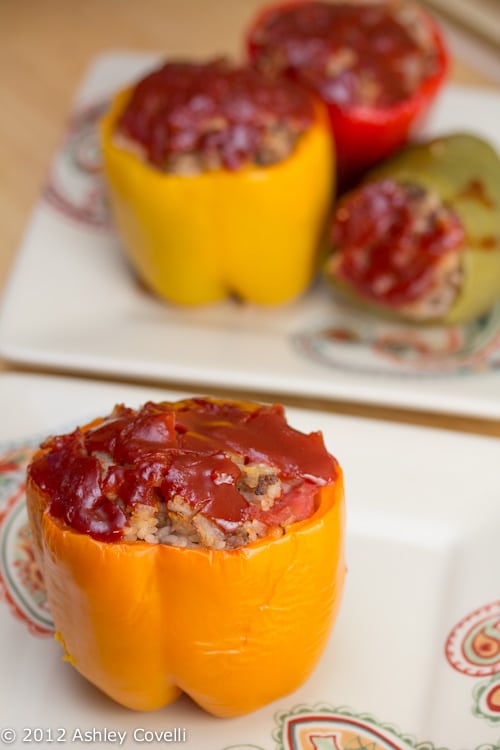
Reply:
x=389, y=238
x=212, y=109
x=190, y=448
x=360, y=53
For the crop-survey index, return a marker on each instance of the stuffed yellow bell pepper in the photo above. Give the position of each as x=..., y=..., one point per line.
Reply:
x=220, y=181
x=420, y=237
x=193, y=547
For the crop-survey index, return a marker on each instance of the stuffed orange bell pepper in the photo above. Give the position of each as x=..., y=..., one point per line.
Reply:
x=194, y=547
x=220, y=181
x=378, y=66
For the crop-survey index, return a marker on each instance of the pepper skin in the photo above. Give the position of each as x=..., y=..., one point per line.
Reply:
x=365, y=135
x=233, y=629
x=254, y=232
x=463, y=170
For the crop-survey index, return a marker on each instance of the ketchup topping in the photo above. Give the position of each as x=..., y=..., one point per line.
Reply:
x=389, y=238
x=350, y=53
x=211, y=108
x=190, y=448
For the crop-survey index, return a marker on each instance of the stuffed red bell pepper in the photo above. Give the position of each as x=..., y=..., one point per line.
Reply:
x=194, y=547
x=378, y=66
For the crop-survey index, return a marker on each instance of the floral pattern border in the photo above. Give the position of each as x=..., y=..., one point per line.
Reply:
x=325, y=727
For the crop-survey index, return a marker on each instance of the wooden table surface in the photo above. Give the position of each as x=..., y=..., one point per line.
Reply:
x=45, y=46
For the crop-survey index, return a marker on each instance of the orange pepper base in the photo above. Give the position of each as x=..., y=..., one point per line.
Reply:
x=234, y=630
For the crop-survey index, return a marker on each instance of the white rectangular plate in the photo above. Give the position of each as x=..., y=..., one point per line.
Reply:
x=73, y=303
x=414, y=660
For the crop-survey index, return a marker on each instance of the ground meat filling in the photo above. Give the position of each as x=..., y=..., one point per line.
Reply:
x=352, y=54
x=187, y=118
x=196, y=473
x=399, y=246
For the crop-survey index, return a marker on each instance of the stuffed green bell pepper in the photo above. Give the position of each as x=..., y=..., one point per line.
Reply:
x=420, y=237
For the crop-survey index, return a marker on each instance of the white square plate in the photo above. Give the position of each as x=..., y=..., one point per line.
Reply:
x=414, y=660
x=72, y=302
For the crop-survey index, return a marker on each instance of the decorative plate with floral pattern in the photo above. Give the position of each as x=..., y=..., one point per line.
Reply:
x=314, y=346
x=414, y=660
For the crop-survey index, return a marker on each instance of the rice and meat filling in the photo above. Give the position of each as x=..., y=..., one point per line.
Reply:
x=352, y=53
x=176, y=522
x=196, y=473
x=190, y=118
x=398, y=245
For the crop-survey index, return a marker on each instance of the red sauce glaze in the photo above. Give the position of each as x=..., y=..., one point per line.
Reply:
x=387, y=251
x=350, y=53
x=183, y=448
x=187, y=108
